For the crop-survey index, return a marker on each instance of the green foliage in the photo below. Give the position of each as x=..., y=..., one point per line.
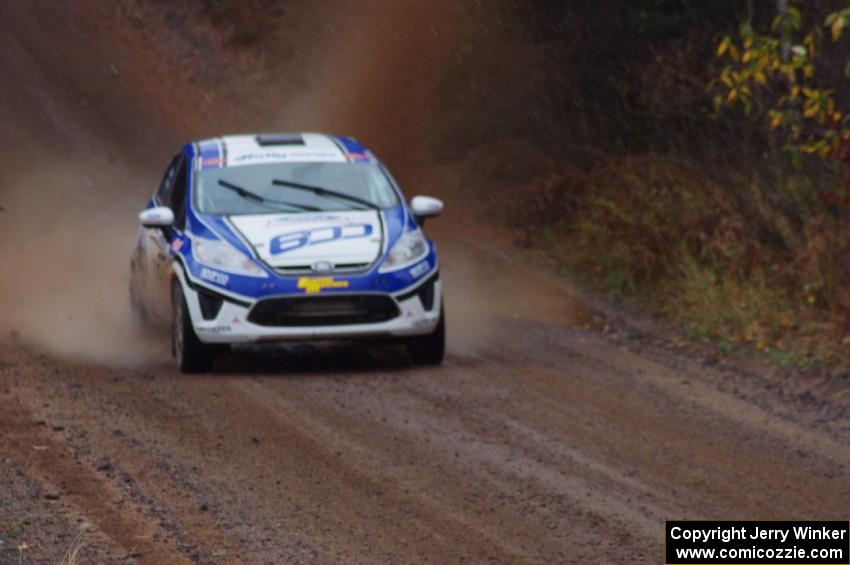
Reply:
x=660, y=199
x=736, y=270
x=777, y=74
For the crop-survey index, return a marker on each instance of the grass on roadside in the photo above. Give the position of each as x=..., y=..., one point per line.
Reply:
x=72, y=556
x=744, y=265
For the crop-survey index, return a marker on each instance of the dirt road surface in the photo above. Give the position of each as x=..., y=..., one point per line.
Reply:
x=553, y=433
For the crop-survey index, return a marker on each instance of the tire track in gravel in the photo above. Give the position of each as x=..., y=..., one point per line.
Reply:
x=85, y=494
x=527, y=450
x=535, y=442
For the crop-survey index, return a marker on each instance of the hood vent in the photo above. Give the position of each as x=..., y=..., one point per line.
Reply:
x=268, y=139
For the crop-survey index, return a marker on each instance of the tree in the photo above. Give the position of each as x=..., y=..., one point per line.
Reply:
x=778, y=74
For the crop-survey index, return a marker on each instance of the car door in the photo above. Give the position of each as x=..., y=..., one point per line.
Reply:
x=171, y=193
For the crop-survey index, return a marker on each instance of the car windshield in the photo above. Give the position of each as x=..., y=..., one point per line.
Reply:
x=293, y=187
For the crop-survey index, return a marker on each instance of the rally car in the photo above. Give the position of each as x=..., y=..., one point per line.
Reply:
x=278, y=237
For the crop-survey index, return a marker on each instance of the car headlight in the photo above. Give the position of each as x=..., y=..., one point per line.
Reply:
x=410, y=247
x=224, y=257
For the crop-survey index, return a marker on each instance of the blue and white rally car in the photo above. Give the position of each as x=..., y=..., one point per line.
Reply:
x=265, y=238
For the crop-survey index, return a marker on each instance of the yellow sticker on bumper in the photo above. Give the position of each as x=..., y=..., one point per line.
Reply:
x=312, y=285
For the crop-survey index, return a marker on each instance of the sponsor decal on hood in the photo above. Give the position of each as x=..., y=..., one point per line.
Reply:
x=305, y=239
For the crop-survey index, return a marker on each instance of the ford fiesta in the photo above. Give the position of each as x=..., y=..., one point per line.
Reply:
x=266, y=238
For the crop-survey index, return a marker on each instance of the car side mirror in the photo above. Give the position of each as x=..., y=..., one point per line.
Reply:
x=425, y=207
x=159, y=217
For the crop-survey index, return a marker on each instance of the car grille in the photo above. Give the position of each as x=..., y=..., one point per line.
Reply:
x=328, y=310
x=341, y=268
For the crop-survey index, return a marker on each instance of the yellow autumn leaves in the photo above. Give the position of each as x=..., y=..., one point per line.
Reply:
x=837, y=21
x=775, y=76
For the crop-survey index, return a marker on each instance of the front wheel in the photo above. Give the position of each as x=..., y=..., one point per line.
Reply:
x=431, y=348
x=192, y=355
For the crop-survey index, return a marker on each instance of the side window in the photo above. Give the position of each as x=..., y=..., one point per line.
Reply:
x=178, y=193
x=166, y=186
x=172, y=190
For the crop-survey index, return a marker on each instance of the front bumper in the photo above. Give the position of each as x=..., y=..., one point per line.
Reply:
x=232, y=322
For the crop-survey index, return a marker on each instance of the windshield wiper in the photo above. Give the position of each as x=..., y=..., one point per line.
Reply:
x=248, y=195
x=326, y=192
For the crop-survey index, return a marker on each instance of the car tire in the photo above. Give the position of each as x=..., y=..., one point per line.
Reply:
x=431, y=348
x=191, y=354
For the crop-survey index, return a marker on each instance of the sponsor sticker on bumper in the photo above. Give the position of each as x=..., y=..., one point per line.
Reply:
x=214, y=276
x=314, y=285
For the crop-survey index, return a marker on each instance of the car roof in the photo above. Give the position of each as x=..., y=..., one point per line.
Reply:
x=255, y=149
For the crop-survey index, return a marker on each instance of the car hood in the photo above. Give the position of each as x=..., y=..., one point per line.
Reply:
x=300, y=241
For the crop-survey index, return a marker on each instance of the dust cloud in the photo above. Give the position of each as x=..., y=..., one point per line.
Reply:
x=377, y=67
x=65, y=276
x=380, y=66
x=69, y=220
x=70, y=128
